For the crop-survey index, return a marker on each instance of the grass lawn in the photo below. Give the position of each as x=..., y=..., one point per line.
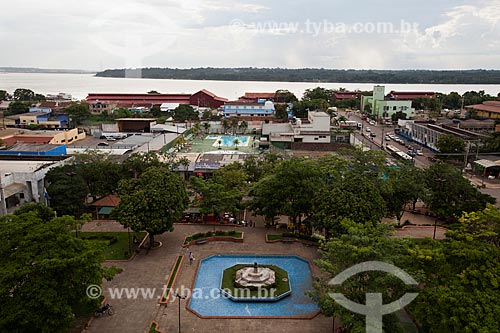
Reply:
x=172, y=278
x=282, y=284
x=115, y=243
x=274, y=237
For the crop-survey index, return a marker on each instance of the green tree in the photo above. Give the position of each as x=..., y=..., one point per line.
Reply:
x=403, y=188
x=67, y=190
x=44, y=274
x=398, y=115
x=222, y=193
x=284, y=96
x=354, y=196
x=236, y=142
x=44, y=213
x=450, y=194
x=289, y=190
x=281, y=111
x=100, y=174
x=3, y=95
x=185, y=112
x=152, y=202
x=78, y=112
x=319, y=93
x=360, y=243
x=22, y=94
x=155, y=110
x=243, y=126
x=17, y=107
x=138, y=163
x=123, y=113
x=450, y=144
x=481, y=226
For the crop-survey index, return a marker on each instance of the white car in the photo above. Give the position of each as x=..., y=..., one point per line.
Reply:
x=368, y=129
x=387, y=138
x=419, y=152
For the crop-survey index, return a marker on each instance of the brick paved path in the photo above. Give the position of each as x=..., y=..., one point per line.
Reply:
x=151, y=270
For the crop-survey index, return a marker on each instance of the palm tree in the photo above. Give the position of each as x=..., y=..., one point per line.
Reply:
x=225, y=125
x=236, y=142
x=206, y=126
x=234, y=124
x=219, y=142
x=243, y=126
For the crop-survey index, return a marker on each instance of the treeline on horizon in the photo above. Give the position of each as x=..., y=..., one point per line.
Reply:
x=479, y=76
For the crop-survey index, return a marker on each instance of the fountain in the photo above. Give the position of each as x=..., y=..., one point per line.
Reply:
x=257, y=277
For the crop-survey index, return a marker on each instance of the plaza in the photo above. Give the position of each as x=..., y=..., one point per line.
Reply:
x=152, y=269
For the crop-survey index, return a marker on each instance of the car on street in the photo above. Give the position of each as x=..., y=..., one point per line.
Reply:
x=387, y=138
x=103, y=144
x=368, y=129
x=419, y=152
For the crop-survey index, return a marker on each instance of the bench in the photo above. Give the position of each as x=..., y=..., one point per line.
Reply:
x=201, y=241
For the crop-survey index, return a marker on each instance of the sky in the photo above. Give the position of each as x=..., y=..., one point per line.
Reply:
x=340, y=34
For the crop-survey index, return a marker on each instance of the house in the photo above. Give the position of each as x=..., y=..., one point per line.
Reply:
x=244, y=109
x=104, y=206
x=312, y=133
x=381, y=107
x=23, y=181
x=487, y=110
x=41, y=118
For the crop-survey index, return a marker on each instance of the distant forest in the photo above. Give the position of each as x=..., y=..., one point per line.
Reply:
x=318, y=75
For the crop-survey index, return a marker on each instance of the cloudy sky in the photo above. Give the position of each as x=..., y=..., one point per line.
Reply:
x=383, y=34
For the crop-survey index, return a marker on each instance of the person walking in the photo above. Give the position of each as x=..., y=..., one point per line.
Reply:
x=191, y=257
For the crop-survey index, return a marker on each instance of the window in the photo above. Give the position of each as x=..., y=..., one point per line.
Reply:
x=394, y=108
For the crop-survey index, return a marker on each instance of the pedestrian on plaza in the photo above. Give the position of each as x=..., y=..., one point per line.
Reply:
x=191, y=257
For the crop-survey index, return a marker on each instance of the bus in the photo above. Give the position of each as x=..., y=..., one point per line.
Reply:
x=396, y=153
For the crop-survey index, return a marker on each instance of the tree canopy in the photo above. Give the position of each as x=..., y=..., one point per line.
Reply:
x=44, y=274
x=152, y=202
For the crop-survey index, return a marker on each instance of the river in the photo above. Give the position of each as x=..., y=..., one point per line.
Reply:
x=79, y=85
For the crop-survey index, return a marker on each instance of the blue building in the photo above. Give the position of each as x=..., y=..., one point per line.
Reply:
x=243, y=109
x=30, y=149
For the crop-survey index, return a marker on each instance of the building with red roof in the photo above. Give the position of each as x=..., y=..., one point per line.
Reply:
x=207, y=99
x=254, y=97
x=489, y=109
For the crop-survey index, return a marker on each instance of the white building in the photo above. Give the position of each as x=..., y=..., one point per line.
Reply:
x=314, y=129
x=22, y=181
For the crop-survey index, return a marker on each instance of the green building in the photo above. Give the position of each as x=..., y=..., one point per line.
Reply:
x=380, y=107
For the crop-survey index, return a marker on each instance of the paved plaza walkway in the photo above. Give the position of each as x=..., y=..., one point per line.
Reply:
x=150, y=270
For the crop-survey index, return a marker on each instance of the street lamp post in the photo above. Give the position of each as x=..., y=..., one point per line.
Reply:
x=180, y=297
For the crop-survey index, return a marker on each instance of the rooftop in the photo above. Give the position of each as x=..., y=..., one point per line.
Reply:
x=21, y=146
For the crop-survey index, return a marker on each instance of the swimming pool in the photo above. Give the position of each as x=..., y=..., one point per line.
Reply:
x=228, y=141
x=208, y=302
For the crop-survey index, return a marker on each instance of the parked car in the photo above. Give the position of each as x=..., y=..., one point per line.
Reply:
x=368, y=129
x=373, y=134
x=103, y=144
x=420, y=152
x=387, y=138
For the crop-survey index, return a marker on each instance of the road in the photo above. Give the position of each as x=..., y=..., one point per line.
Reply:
x=379, y=141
